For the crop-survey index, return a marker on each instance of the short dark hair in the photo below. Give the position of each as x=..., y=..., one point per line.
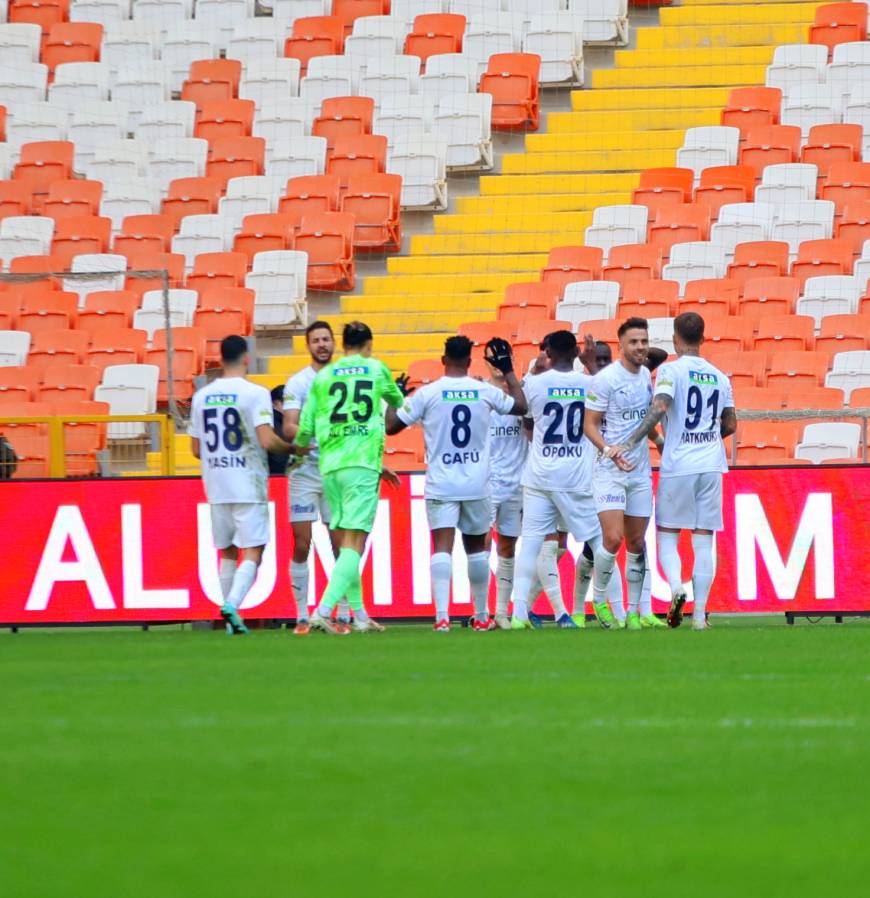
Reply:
x=601, y=346
x=277, y=393
x=562, y=344
x=631, y=323
x=316, y=326
x=232, y=349
x=356, y=334
x=690, y=327
x=458, y=349
x=545, y=342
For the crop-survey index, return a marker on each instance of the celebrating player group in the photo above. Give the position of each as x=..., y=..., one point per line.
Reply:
x=564, y=451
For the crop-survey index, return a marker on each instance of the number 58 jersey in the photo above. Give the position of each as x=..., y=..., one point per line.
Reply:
x=700, y=392
x=560, y=457
x=224, y=418
x=455, y=413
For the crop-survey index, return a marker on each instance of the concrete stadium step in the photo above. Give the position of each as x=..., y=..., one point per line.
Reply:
x=402, y=304
x=464, y=264
x=693, y=75
x=641, y=120
x=650, y=98
x=443, y=285
x=738, y=14
x=591, y=160
x=604, y=141
x=511, y=224
x=532, y=185
x=722, y=35
x=565, y=202
x=705, y=56
x=484, y=243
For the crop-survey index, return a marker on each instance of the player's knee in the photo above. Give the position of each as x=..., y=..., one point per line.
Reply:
x=612, y=542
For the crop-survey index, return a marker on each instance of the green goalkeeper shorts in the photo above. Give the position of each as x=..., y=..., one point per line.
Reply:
x=352, y=494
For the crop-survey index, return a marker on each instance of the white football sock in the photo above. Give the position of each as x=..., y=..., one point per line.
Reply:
x=646, y=594
x=524, y=574
x=615, y=596
x=602, y=572
x=226, y=572
x=635, y=571
x=478, y=576
x=299, y=581
x=343, y=610
x=504, y=584
x=582, y=579
x=441, y=568
x=669, y=557
x=547, y=566
x=702, y=573
x=243, y=580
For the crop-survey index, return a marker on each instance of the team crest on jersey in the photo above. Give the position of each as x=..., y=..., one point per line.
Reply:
x=460, y=395
x=703, y=379
x=222, y=399
x=575, y=393
x=351, y=371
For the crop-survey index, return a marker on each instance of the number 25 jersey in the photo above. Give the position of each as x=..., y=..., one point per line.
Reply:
x=455, y=412
x=559, y=456
x=700, y=392
x=224, y=418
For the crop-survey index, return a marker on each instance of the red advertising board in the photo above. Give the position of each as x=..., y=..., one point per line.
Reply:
x=116, y=551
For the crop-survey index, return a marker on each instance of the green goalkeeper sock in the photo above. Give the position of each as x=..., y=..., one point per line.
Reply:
x=344, y=581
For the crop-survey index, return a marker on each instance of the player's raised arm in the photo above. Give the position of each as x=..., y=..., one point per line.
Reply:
x=308, y=417
x=500, y=356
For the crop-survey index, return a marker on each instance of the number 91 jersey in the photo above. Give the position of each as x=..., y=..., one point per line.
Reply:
x=455, y=413
x=560, y=454
x=224, y=418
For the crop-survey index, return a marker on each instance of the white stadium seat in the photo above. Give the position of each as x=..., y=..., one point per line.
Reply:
x=166, y=121
x=605, y=21
x=96, y=262
x=615, y=225
x=694, y=261
x=558, y=39
x=278, y=279
x=19, y=43
x=120, y=49
x=807, y=105
x=31, y=122
x=790, y=182
x=661, y=334
x=107, y=13
x=180, y=50
x=808, y=220
x=795, y=64
x=29, y=227
x=129, y=196
x=304, y=156
x=23, y=83
x=850, y=371
x=141, y=84
x=269, y=82
x=708, y=145
x=422, y=163
x=828, y=295
x=180, y=157
x=596, y=299
x=464, y=124
x=77, y=83
x=834, y=439
x=14, y=346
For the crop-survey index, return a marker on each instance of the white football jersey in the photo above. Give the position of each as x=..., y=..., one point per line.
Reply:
x=296, y=391
x=557, y=458
x=693, y=440
x=508, y=448
x=224, y=418
x=455, y=412
x=625, y=399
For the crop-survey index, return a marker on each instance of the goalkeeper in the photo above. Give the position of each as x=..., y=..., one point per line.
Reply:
x=344, y=413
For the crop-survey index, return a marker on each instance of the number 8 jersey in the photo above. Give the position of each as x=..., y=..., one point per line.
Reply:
x=700, y=393
x=224, y=418
x=455, y=412
x=560, y=452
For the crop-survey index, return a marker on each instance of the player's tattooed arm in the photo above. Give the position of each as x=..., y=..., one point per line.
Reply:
x=657, y=410
x=728, y=424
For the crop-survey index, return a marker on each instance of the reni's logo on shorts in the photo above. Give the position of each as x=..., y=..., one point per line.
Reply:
x=459, y=395
x=222, y=399
x=567, y=393
x=609, y=499
x=703, y=379
x=351, y=370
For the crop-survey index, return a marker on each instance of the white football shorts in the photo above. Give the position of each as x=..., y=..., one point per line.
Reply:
x=690, y=502
x=307, y=499
x=507, y=512
x=241, y=524
x=471, y=516
x=545, y=511
x=625, y=491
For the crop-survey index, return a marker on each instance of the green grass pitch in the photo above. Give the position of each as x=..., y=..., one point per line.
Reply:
x=174, y=764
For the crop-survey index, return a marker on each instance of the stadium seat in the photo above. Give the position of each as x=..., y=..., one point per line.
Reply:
x=278, y=279
x=421, y=162
x=796, y=369
x=795, y=64
x=758, y=259
x=72, y=42
x=212, y=80
x=602, y=330
x=14, y=347
x=50, y=310
x=14, y=199
x=68, y=383
x=79, y=83
x=464, y=122
x=679, y=224
x=810, y=105
x=829, y=144
x=846, y=182
x=588, y=300
x=424, y=371
x=236, y=157
x=762, y=442
x=533, y=331
x=839, y=23
x=724, y=184
x=108, y=309
x=116, y=346
x=860, y=398
x=231, y=118
x=849, y=371
x=780, y=333
x=72, y=198
x=144, y=259
x=843, y=333
x=433, y=34
x=693, y=261
x=814, y=398
x=760, y=398
x=153, y=232
x=648, y=299
x=770, y=145
x=18, y=384
x=746, y=369
x=538, y=296
x=752, y=107
x=631, y=263
x=829, y=440
x=80, y=235
x=790, y=182
x=40, y=164
x=708, y=145
x=374, y=202
x=129, y=390
x=729, y=332
x=797, y=222
x=327, y=238
x=566, y=264
x=829, y=295
x=314, y=36
x=310, y=193
x=363, y=155
x=512, y=79
x=659, y=187
x=617, y=225
x=215, y=323
x=260, y=233
x=854, y=225
x=343, y=117
x=218, y=269
x=481, y=332
x=557, y=37
x=818, y=258
x=54, y=347
x=189, y=348
x=709, y=297
x=191, y=196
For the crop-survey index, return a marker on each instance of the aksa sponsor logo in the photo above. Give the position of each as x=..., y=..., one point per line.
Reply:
x=222, y=399
x=351, y=371
x=703, y=379
x=460, y=395
x=570, y=393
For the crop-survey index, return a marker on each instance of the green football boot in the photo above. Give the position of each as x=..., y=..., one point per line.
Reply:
x=651, y=622
x=518, y=624
x=604, y=615
x=632, y=621
x=579, y=619
x=235, y=624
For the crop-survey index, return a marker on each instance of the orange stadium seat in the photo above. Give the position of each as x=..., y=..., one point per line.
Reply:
x=762, y=442
x=212, y=79
x=40, y=163
x=14, y=198
x=512, y=80
x=842, y=333
x=752, y=107
x=72, y=198
x=144, y=259
x=191, y=196
x=648, y=299
x=602, y=330
x=769, y=296
x=537, y=295
x=315, y=36
x=760, y=398
x=152, y=232
x=425, y=371
x=770, y=145
x=2, y=122
x=628, y=262
x=758, y=259
x=231, y=299
x=839, y=23
x=374, y=201
x=82, y=234
x=660, y=187
x=854, y=225
x=327, y=237
x=481, y=332
x=817, y=258
x=72, y=42
x=781, y=333
x=532, y=332
x=815, y=397
x=351, y=10
x=220, y=269
x=9, y=307
x=66, y=383
x=406, y=450
x=29, y=440
x=310, y=193
x=44, y=13
x=744, y=368
x=797, y=369
x=679, y=224
x=121, y=346
x=19, y=384
x=260, y=233
x=189, y=349
x=846, y=183
x=215, y=324
x=108, y=309
x=363, y=155
x=729, y=332
x=58, y=347
x=224, y=118
x=343, y=117
x=47, y=311
x=566, y=264
x=860, y=398
x=829, y=144
x=434, y=34
x=724, y=184
x=710, y=297
x=235, y=157
x=82, y=439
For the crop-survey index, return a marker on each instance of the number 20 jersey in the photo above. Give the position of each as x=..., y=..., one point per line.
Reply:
x=224, y=418
x=455, y=412
x=700, y=392
x=560, y=453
